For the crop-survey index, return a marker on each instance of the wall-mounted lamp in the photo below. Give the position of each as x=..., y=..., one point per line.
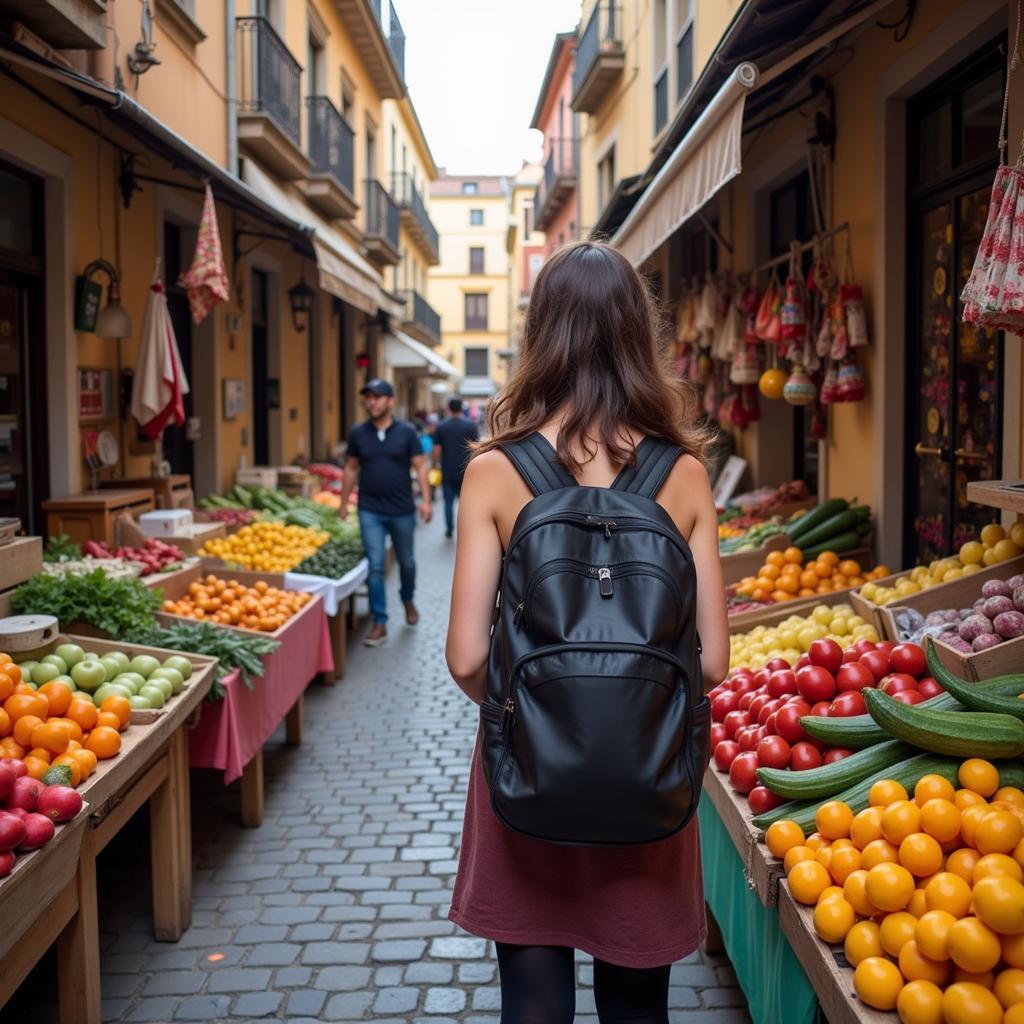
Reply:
x=302, y=297
x=141, y=59
x=113, y=321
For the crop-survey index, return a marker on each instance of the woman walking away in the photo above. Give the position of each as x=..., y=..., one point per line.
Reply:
x=587, y=531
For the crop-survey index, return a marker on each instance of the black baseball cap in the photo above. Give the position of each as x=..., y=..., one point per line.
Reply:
x=378, y=387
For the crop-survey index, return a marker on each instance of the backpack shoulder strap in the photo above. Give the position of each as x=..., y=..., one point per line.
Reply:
x=654, y=461
x=537, y=463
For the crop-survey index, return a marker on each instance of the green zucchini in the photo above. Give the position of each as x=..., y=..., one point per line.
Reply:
x=850, y=540
x=977, y=696
x=1011, y=773
x=859, y=731
x=970, y=734
x=817, y=515
x=856, y=797
x=841, y=522
x=832, y=778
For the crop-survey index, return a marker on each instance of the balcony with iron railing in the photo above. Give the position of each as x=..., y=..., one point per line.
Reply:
x=558, y=183
x=380, y=233
x=600, y=57
x=421, y=319
x=269, y=106
x=396, y=39
x=331, y=184
x=661, y=103
x=413, y=212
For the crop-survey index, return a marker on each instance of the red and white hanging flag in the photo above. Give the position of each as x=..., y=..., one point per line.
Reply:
x=206, y=280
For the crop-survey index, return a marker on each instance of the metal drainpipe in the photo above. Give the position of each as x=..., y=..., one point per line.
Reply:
x=229, y=15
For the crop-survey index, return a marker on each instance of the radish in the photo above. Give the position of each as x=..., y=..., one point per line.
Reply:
x=8, y=776
x=38, y=832
x=12, y=831
x=20, y=770
x=19, y=812
x=6, y=863
x=25, y=794
x=61, y=803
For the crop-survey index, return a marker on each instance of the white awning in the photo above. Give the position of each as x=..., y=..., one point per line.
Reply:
x=477, y=387
x=707, y=157
x=402, y=352
x=342, y=271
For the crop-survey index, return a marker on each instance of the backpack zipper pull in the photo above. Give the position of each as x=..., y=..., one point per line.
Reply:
x=517, y=615
x=604, y=578
x=507, y=714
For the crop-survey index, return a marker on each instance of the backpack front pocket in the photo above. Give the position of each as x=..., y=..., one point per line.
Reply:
x=594, y=747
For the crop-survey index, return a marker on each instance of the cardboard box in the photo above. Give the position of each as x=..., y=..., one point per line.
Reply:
x=1006, y=658
x=20, y=560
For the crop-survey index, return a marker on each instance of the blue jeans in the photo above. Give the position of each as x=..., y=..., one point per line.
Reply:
x=375, y=528
x=450, y=491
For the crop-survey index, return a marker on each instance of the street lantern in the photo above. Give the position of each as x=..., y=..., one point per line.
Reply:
x=302, y=297
x=113, y=320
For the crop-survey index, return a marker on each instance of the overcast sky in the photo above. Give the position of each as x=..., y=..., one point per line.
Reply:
x=474, y=69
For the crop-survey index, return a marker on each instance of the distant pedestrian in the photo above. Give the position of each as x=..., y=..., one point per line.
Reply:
x=380, y=452
x=451, y=450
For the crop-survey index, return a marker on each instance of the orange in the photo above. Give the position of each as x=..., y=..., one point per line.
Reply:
x=20, y=704
x=932, y=787
x=808, y=579
x=879, y=851
x=889, y=887
x=788, y=584
x=23, y=729
x=949, y=892
x=999, y=903
x=843, y=863
x=969, y=821
x=109, y=719
x=964, y=1003
x=833, y=819
x=121, y=707
x=964, y=798
x=896, y=930
x=877, y=982
x=824, y=857
x=833, y=918
x=40, y=754
x=979, y=775
x=53, y=737
x=816, y=841
x=920, y=854
x=899, y=820
x=73, y=764
x=994, y=865
x=794, y=855
x=86, y=759
x=104, y=742
x=932, y=934
x=5, y=723
x=962, y=862
x=849, y=567
x=940, y=817
x=855, y=893
x=862, y=941
x=14, y=671
x=6, y=686
x=919, y=1002
x=1010, y=794
x=36, y=767
x=915, y=966
x=807, y=881
x=76, y=729
x=973, y=945
x=793, y=555
x=1013, y=950
x=83, y=712
x=886, y=792
x=9, y=747
x=917, y=905
x=59, y=697
x=998, y=832
x=1009, y=987
x=866, y=827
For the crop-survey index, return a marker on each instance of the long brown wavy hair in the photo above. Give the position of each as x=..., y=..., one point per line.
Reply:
x=590, y=351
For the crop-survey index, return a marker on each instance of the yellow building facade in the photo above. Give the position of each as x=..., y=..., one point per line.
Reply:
x=524, y=245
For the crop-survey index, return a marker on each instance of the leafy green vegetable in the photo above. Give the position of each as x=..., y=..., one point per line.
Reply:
x=119, y=607
x=334, y=559
x=60, y=548
x=231, y=649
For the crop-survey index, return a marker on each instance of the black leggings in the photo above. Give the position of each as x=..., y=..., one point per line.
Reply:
x=538, y=986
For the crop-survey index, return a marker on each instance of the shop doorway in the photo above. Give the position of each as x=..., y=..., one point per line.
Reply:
x=178, y=448
x=954, y=371
x=24, y=468
x=260, y=371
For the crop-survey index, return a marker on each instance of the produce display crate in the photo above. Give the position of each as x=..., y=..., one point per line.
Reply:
x=775, y=613
x=90, y=516
x=195, y=536
x=20, y=559
x=746, y=563
x=256, y=476
x=173, y=491
x=1006, y=658
x=160, y=580
x=202, y=515
x=38, y=878
x=176, y=588
x=760, y=868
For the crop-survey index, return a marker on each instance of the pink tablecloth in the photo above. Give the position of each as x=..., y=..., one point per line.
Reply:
x=232, y=730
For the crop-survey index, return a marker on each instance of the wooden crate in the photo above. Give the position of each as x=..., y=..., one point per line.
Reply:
x=159, y=580
x=775, y=613
x=1006, y=658
x=174, y=491
x=21, y=559
x=177, y=587
x=38, y=879
x=746, y=563
x=90, y=516
x=761, y=869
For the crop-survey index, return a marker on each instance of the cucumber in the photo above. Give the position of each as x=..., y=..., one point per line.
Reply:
x=977, y=696
x=832, y=778
x=841, y=522
x=856, y=797
x=970, y=734
x=817, y=515
x=850, y=540
x=859, y=731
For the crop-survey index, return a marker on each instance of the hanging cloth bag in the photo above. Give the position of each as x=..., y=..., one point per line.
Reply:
x=851, y=298
x=768, y=325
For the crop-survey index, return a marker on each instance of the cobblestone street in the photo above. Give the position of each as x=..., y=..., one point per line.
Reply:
x=335, y=909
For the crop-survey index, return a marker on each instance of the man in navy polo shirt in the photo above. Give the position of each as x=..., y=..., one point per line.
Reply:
x=380, y=452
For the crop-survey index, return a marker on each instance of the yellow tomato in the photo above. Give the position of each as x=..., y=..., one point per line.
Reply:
x=962, y=862
x=833, y=918
x=833, y=819
x=964, y=1003
x=896, y=930
x=1009, y=987
x=979, y=775
x=867, y=827
x=999, y=903
x=807, y=881
x=915, y=966
x=889, y=887
x=940, y=819
x=796, y=854
x=998, y=832
x=877, y=982
x=997, y=865
x=782, y=836
x=949, y=892
x=919, y=1002
x=855, y=893
x=899, y=820
x=862, y=941
x=886, y=792
x=932, y=934
x=844, y=862
x=1013, y=950
x=932, y=787
x=879, y=851
x=920, y=854
x=973, y=945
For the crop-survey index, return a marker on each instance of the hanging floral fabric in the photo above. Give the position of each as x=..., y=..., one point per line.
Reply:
x=994, y=294
x=830, y=385
x=206, y=281
x=851, y=380
x=793, y=315
x=729, y=336
x=706, y=318
x=767, y=325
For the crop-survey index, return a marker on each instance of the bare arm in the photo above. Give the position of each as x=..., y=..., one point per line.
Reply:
x=435, y=455
x=476, y=578
x=419, y=463
x=349, y=481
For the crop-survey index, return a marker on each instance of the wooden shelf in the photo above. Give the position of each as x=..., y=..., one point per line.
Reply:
x=1004, y=494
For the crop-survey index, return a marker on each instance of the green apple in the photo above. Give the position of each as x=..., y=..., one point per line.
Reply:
x=132, y=680
x=113, y=665
x=164, y=685
x=89, y=674
x=139, y=703
x=71, y=653
x=44, y=671
x=56, y=659
x=181, y=664
x=144, y=664
x=154, y=695
x=176, y=678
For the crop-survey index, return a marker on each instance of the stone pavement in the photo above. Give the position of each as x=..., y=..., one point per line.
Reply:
x=335, y=909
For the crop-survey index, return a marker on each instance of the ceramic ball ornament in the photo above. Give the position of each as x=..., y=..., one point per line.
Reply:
x=799, y=388
x=772, y=383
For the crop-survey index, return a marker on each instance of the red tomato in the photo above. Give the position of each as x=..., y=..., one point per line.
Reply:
x=802, y=662
x=746, y=700
x=723, y=704
x=821, y=709
x=725, y=754
x=736, y=720
x=854, y=675
x=773, y=752
x=908, y=658
x=787, y=721
x=743, y=772
x=761, y=677
x=862, y=646
x=771, y=723
x=804, y=756
x=756, y=704
x=717, y=734
x=762, y=799
x=850, y=654
x=836, y=754
x=848, y=704
x=777, y=665
x=826, y=654
x=885, y=645
x=816, y=683
x=929, y=688
x=909, y=697
x=877, y=662
x=741, y=681
x=747, y=737
x=897, y=682
x=782, y=683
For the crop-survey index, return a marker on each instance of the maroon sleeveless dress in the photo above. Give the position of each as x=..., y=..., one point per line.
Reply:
x=634, y=906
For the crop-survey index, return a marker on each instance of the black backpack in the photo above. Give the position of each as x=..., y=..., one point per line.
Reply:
x=595, y=725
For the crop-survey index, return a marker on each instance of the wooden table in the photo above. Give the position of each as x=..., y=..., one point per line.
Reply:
x=1005, y=494
x=90, y=516
x=174, y=491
